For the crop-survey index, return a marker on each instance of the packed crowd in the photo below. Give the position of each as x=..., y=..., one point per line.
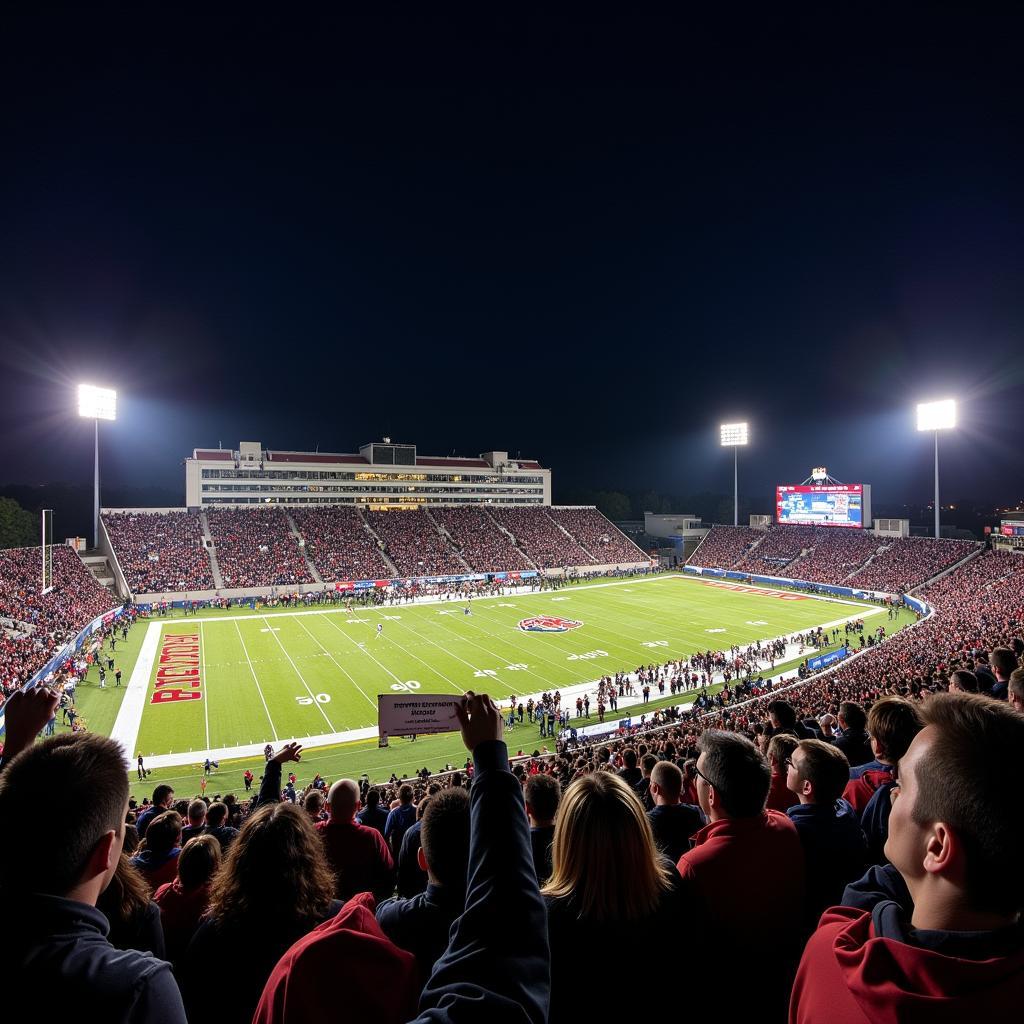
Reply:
x=339, y=545
x=724, y=546
x=779, y=546
x=160, y=551
x=414, y=544
x=541, y=539
x=910, y=561
x=481, y=544
x=604, y=541
x=255, y=548
x=835, y=555
x=841, y=848
x=41, y=624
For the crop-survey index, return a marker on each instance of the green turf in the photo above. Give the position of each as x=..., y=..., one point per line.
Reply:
x=262, y=674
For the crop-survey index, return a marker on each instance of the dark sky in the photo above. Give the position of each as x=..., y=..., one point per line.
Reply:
x=589, y=240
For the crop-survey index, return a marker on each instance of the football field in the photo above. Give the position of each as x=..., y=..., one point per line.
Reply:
x=226, y=683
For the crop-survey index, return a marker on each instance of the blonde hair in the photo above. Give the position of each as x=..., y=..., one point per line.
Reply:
x=603, y=854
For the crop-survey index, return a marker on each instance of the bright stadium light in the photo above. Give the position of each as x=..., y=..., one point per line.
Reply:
x=733, y=436
x=936, y=416
x=96, y=404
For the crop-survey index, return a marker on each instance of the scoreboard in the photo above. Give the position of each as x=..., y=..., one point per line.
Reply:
x=845, y=505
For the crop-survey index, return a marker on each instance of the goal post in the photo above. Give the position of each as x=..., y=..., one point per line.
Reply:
x=47, y=549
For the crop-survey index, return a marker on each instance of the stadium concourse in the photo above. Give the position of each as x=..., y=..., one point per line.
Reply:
x=839, y=850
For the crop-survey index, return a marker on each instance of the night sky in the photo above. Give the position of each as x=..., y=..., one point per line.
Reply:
x=587, y=240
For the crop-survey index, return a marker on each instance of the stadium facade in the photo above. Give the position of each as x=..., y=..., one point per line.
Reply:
x=380, y=476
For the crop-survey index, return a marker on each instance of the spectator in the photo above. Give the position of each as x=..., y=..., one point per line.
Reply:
x=133, y=917
x=421, y=924
x=782, y=715
x=216, y=825
x=673, y=822
x=630, y=772
x=1003, y=663
x=643, y=787
x=892, y=723
x=358, y=855
x=958, y=952
x=313, y=805
x=196, y=821
x=733, y=779
x=157, y=861
x=184, y=901
x=543, y=794
x=62, y=954
x=780, y=748
x=274, y=886
x=400, y=820
x=1015, y=690
x=963, y=681
x=835, y=849
x=163, y=798
x=602, y=836
x=373, y=815
x=853, y=740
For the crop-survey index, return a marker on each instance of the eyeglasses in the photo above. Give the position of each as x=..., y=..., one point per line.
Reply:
x=702, y=775
x=788, y=763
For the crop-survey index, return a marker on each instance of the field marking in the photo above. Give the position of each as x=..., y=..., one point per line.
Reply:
x=302, y=678
x=342, y=667
x=206, y=686
x=133, y=704
x=255, y=679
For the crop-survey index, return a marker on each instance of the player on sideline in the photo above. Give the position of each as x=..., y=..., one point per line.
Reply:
x=467, y=610
x=380, y=628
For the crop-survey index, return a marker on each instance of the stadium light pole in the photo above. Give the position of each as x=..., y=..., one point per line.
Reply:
x=733, y=436
x=96, y=404
x=936, y=416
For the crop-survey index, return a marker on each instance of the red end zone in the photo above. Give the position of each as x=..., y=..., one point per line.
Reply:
x=740, y=588
x=178, y=676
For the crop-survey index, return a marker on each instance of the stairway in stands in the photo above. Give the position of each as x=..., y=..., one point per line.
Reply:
x=211, y=551
x=300, y=540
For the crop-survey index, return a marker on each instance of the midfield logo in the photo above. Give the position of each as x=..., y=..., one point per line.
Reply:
x=547, y=624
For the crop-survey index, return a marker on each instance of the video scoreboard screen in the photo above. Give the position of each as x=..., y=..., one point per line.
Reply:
x=846, y=505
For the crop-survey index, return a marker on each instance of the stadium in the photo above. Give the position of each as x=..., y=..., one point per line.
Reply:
x=511, y=519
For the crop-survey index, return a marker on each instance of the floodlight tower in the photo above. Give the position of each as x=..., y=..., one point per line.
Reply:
x=936, y=416
x=733, y=436
x=96, y=404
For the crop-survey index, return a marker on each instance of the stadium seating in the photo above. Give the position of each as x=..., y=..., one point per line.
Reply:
x=724, y=546
x=836, y=553
x=595, y=534
x=909, y=562
x=44, y=623
x=781, y=544
x=540, y=537
x=485, y=547
x=160, y=551
x=414, y=544
x=339, y=544
x=255, y=548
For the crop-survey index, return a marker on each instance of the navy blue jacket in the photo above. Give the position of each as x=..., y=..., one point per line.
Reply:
x=421, y=925
x=497, y=965
x=874, y=820
x=412, y=879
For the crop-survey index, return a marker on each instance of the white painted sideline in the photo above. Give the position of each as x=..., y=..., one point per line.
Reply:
x=370, y=732
x=129, y=715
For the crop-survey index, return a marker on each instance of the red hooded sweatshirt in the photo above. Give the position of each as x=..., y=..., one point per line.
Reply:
x=859, y=968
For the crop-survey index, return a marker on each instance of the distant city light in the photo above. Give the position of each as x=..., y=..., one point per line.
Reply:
x=97, y=403
x=734, y=434
x=936, y=415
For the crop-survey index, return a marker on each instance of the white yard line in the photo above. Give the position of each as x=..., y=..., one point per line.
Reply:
x=302, y=678
x=258, y=687
x=133, y=704
x=371, y=701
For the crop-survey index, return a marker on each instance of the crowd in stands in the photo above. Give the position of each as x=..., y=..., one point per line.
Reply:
x=414, y=544
x=541, y=539
x=255, y=548
x=724, y=546
x=599, y=537
x=835, y=555
x=779, y=546
x=339, y=544
x=41, y=624
x=160, y=551
x=909, y=561
x=480, y=542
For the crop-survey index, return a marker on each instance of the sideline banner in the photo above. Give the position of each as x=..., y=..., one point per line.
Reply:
x=418, y=714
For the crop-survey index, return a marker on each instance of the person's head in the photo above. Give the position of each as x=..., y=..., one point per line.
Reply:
x=405, y=794
x=444, y=838
x=163, y=795
x=83, y=842
x=196, y=813
x=1015, y=690
x=344, y=799
x=666, y=784
x=953, y=834
x=893, y=722
x=963, y=681
x=602, y=836
x=733, y=777
x=851, y=716
x=782, y=715
x=780, y=747
x=164, y=833
x=629, y=757
x=198, y=861
x=542, y=794
x=818, y=772
x=313, y=803
x=1002, y=662
x=373, y=798
x=275, y=872
x=647, y=763
x=216, y=814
